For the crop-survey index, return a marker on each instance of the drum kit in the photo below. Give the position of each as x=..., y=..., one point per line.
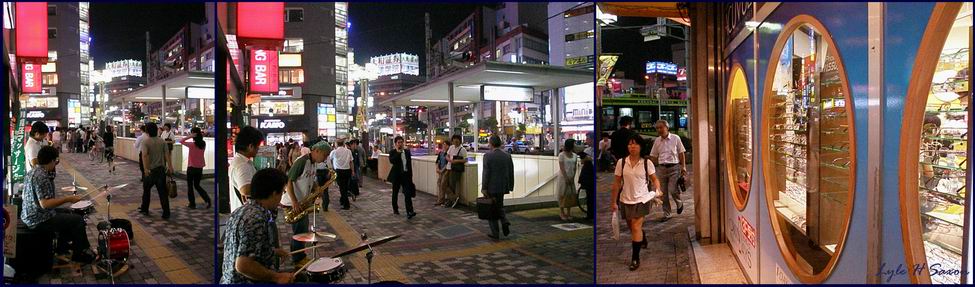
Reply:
x=325, y=270
x=113, y=241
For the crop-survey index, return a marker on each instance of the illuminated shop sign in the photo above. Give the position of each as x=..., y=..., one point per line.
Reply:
x=31, y=23
x=260, y=20
x=263, y=71
x=661, y=68
x=506, y=93
x=272, y=124
x=32, y=79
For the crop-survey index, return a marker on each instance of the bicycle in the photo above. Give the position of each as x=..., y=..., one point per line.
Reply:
x=109, y=154
x=582, y=194
x=96, y=151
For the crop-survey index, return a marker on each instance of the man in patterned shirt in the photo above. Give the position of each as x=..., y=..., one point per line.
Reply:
x=251, y=243
x=39, y=202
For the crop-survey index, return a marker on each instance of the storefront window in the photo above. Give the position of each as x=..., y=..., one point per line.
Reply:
x=935, y=223
x=738, y=137
x=808, y=146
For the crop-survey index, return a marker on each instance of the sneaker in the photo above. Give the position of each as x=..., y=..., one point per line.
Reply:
x=410, y=215
x=505, y=228
x=495, y=237
x=680, y=208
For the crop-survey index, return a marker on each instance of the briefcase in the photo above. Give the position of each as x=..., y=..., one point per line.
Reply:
x=485, y=208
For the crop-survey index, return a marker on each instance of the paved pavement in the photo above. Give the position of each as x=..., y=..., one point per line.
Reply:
x=177, y=251
x=443, y=245
x=669, y=258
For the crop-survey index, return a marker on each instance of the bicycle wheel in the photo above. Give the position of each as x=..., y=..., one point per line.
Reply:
x=583, y=203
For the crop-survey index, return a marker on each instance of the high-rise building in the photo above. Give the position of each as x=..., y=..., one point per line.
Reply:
x=398, y=63
x=571, y=34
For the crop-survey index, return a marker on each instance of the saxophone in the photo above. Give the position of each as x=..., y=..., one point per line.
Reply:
x=307, y=204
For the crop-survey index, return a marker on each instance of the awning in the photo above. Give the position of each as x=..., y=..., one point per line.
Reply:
x=670, y=10
x=175, y=88
x=467, y=82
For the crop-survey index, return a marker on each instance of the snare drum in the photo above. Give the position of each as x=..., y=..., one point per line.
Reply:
x=325, y=270
x=114, y=244
x=84, y=207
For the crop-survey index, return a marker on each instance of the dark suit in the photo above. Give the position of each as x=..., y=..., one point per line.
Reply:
x=499, y=179
x=401, y=179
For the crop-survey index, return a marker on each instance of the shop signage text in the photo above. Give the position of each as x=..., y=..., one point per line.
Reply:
x=579, y=61
x=735, y=16
x=264, y=71
x=661, y=68
x=272, y=124
x=507, y=93
x=32, y=79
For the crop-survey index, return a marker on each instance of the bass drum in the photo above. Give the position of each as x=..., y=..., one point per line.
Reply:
x=114, y=244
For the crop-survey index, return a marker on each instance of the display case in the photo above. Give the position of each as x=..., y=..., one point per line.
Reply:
x=935, y=189
x=738, y=137
x=808, y=147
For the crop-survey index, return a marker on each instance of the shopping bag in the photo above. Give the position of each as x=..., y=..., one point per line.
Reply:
x=171, y=187
x=616, y=226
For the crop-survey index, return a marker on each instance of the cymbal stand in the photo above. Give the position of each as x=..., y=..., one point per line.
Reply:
x=369, y=256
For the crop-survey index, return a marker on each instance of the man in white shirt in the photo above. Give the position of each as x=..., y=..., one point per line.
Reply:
x=36, y=140
x=457, y=158
x=138, y=146
x=84, y=136
x=341, y=160
x=667, y=154
x=168, y=136
x=242, y=169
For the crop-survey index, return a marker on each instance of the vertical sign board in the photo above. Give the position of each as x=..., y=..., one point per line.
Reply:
x=10, y=219
x=18, y=167
x=31, y=23
x=263, y=71
x=31, y=83
x=260, y=20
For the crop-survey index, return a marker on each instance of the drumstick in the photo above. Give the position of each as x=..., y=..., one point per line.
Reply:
x=304, y=249
x=301, y=269
x=90, y=192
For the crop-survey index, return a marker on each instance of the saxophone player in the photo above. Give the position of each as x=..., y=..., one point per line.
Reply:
x=301, y=182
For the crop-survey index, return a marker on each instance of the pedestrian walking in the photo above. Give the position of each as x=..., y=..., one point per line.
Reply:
x=631, y=189
x=401, y=176
x=618, y=142
x=156, y=168
x=341, y=160
x=360, y=162
x=138, y=146
x=194, y=166
x=668, y=154
x=499, y=179
x=566, y=188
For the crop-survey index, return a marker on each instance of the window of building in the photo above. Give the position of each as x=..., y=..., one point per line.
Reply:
x=52, y=10
x=291, y=76
x=52, y=33
x=536, y=45
x=296, y=45
x=294, y=14
x=50, y=79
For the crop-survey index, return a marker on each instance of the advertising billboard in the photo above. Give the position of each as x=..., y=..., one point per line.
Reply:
x=263, y=76
x=661, y=68
x=31, y=23
x=260, y=20
x=32, y=79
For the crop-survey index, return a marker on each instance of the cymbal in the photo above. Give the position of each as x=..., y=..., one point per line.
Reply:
x=74, y=188
x=365, y=245
x=314, y=237
x=120, y=186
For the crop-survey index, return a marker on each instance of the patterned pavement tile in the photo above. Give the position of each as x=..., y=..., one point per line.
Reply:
x=448, y=245
x=669, y=258
x=177, y=251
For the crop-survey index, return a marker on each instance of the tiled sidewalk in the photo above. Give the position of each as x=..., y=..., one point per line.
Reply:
x=178, y=251
x=442, y=245
x=669, y=258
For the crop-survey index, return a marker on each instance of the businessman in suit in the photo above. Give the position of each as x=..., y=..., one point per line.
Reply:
x=499, y=179
x=401, y=176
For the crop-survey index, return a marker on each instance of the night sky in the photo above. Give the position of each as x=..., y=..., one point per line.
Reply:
x=386, y=28
x=118, y=29
x=635, y=52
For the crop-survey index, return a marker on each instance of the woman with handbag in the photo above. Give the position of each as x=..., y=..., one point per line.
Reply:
x=566, y=191
x=194, y=166
x=631, y=188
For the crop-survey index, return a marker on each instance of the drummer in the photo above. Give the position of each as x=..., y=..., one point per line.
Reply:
x=251, y=243
x=38, y=211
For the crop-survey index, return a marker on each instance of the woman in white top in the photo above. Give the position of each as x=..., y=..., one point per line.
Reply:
x=631, y=189
x=566, y=191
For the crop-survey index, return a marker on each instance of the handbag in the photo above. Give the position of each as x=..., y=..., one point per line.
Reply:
x=485, y=208
x=458, y=167
x=171, y=186
x=616, y=225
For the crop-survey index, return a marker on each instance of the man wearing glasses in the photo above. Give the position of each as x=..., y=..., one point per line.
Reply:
x=39, y=204
x=667, y=154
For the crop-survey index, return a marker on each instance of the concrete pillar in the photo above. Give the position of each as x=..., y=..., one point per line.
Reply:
x=476, y=108
x=450, y=109
x=393, y=117
x=556, y=118
x=162, y=113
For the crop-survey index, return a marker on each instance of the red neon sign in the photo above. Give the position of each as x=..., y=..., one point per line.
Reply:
x=260, y=20
x=263, y=71
x=31, y=31
x=31, y=83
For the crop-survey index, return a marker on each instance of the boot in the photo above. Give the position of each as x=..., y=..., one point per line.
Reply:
x=635, y=261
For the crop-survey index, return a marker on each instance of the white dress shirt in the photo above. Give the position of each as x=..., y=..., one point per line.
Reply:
x=241, y=172
x=455, y=151
x=667, y=149
x=30, y=151
x=138, y=141
x=341, y=158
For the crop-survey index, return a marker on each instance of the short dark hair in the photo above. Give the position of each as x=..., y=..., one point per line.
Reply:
x=456, y=137
x=570, y=145
x=142, y=128
x=248, y=136
x=397, y=138
x=495, y=141
x=168, y=126
x=39, y=127
x=626, y=120
x=46, y=155
x=267, y=182
x=152, y=129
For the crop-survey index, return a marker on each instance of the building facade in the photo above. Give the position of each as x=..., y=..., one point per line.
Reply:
x=571, y=33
